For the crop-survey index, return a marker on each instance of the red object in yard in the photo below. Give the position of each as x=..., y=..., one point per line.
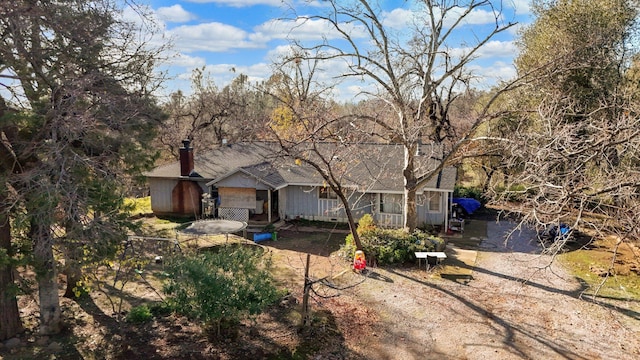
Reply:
x=359, y=262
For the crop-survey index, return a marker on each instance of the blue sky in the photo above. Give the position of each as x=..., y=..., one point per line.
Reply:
x=230, y=37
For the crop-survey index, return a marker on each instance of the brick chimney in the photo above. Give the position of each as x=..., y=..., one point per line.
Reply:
x=186, y=158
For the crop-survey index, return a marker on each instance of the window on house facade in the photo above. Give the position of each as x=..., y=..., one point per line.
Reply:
x=327, y=193
x=391, y=203
x=434, y=201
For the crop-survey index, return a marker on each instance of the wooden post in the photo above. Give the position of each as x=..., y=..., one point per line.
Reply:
x=269, y=206
x=305, y=296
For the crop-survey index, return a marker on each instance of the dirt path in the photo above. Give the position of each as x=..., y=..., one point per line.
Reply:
x=516, y=306
x=491, y=301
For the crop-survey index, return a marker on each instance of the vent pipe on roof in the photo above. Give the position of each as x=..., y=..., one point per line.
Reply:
x=186, y=158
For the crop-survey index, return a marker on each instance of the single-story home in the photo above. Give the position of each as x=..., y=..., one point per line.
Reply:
x=252, y=181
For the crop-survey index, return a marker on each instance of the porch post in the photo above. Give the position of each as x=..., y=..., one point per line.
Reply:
x=377, y=207
x=447, y=209
x=269, y=206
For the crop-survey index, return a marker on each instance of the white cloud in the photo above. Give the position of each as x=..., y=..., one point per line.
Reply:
x=223, y=74
x=239, y=3
x=212, y=37
x=492, y=49
x=175, y=14
x=327, y=69
x=490, y=75
x=318, y=4
x=205, y=39
x=255, y=72
x=521, y=7
x=517, y=28
x=475, y=17
x=186, y=61
x=302, y=28
x=278, y=53
x=220, y=74
x=481, y=17
x=498, y=49
x=398, y=18
x=352, y=90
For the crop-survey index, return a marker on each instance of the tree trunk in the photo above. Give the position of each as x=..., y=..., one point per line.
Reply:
x=351, y=220
x=10, y=324
x=73, y=272
x=489, y=171
x=50, y=319
x=410, y=181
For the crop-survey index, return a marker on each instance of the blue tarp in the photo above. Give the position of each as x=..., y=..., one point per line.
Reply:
x=468, y=204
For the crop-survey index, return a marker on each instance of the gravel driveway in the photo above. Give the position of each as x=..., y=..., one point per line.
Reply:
x=517, y=304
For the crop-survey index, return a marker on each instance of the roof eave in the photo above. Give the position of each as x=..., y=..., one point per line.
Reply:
x=240, y=170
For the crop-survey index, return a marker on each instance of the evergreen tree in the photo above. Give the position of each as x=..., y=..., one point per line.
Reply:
x=82, y=114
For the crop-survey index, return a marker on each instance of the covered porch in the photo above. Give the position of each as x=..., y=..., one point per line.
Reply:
x=251, y=205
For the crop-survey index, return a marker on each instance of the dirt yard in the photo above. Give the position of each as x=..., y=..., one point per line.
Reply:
x=491, y=300
x=515, y=305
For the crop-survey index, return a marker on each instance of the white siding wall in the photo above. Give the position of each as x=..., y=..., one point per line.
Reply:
x=300, y=202
x=303, y=202
x=431, y=216
x=160, y=190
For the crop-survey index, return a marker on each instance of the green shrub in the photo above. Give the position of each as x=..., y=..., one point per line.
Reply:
x=159, y=309
x=469, y=192
x=220, y=287
x=515, y=193
x=139, y=314
x=366, y=224
x=391, y=246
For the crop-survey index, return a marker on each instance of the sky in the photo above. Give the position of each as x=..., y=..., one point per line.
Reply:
x=232, y=37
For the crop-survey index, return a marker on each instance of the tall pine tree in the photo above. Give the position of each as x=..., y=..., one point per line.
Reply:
x=82, y=114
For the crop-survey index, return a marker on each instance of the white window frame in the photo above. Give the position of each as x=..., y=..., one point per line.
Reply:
x=395, y=200
x=327, y=193
x=434, y=197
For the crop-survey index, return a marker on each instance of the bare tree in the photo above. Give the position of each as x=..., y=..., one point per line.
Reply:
x=415, y=73
x=211, y=115
x=308, y=127
x=575, y=137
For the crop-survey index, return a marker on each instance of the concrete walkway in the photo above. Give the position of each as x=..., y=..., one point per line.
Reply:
x=484, y=236
x=462, y=252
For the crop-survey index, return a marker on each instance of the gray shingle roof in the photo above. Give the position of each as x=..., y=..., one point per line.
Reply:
x=369, y=167
x=217, y=162
x=265, y=172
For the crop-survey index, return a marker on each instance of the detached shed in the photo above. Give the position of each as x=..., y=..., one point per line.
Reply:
x=177, y=188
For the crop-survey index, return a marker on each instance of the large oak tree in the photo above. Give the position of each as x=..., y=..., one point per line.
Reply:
x=414, y=72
